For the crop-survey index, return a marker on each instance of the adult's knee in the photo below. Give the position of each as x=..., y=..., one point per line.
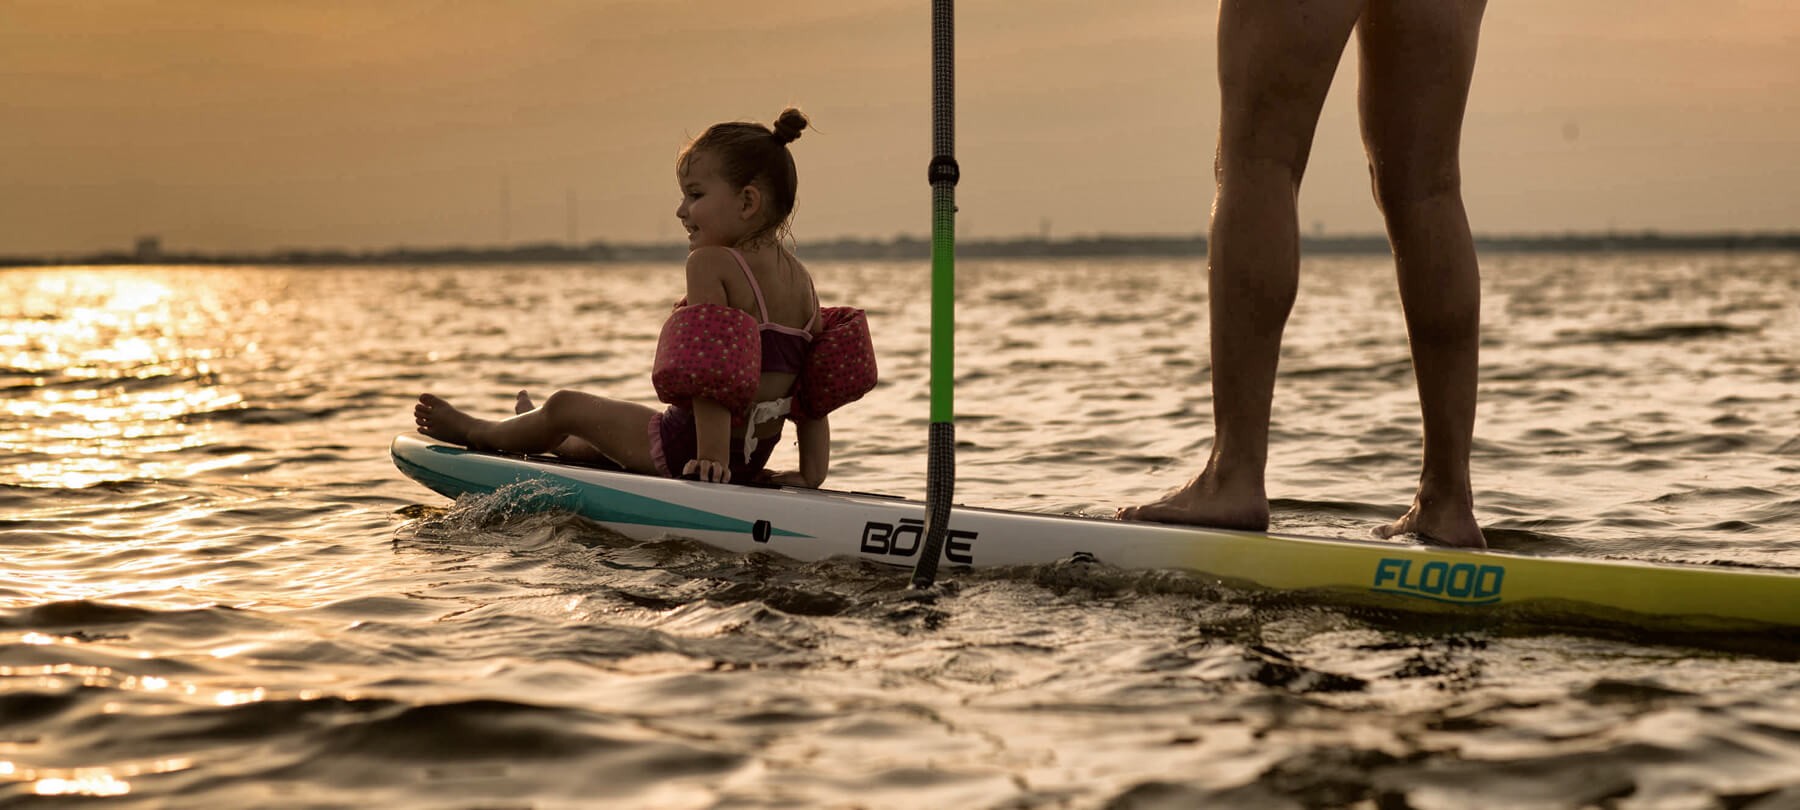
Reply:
x=1259, y=164
x=1401, y=185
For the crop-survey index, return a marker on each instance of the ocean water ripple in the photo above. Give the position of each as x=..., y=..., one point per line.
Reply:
x=218, y=592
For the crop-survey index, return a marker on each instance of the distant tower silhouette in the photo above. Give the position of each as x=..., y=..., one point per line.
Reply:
x=149, y=249
x=505, y=209
x=574, y=220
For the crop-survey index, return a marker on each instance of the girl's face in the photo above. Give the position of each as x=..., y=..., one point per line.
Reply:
x=714, y=213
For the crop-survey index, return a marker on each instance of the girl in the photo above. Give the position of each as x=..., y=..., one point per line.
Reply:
x=737, y=191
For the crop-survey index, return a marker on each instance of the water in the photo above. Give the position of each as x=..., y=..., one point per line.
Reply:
x=217, y=592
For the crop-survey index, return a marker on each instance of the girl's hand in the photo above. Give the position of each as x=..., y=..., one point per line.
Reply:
x=785, y=478
x=702, y=469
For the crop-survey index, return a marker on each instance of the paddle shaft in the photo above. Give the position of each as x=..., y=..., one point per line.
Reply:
x=940, y=468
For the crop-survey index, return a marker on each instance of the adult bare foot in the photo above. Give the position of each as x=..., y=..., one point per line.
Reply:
x=523, y=403
x=1437, y=522
x=1202, y=502
x=442, y=421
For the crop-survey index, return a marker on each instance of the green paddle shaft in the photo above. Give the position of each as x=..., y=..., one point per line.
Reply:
x=943, y=307
x=940, y=468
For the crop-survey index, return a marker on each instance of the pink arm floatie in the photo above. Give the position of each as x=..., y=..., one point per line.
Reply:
x=708, y=350
x=840, y=369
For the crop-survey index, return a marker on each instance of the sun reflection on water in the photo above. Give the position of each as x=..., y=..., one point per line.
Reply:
x=87, y=784
x=102, y=367
x=93, y=781
x=108, y=780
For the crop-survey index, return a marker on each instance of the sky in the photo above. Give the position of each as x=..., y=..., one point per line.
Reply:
x=224, y=125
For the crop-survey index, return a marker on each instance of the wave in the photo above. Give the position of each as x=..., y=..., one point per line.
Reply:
x=1660, y=333
x=265, y=415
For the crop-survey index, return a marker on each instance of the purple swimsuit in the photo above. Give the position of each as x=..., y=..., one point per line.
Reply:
x=673, y=439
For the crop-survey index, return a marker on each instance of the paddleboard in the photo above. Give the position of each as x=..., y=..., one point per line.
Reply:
x=810, y=525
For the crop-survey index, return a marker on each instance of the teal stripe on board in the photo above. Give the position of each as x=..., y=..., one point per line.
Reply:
x=474, y=472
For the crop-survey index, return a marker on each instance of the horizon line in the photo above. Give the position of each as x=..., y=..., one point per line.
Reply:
x=149, y=248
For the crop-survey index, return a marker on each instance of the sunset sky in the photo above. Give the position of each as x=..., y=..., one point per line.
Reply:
x=258, y=124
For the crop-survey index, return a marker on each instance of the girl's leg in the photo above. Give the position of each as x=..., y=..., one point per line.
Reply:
x=572, y=448
x=1276, y=60
x=1417, y=60
x=619, y=430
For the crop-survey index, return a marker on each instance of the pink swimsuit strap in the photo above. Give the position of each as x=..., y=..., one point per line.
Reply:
x=763, y=304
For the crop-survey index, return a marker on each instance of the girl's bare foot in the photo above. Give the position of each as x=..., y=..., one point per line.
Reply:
x=442, y=421
x=1204, y=502
x=523, y=404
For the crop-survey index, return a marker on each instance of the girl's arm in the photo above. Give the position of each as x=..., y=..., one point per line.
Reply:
x=712, y=421
x=712, y=454
x=815, y=450
x=815, y=455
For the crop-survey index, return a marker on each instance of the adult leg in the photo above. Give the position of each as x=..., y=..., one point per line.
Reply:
x=1417, y=60
x=619, y=430
x=1276, y=60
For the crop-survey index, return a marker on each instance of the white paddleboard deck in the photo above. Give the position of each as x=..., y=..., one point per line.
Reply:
x=812, y=525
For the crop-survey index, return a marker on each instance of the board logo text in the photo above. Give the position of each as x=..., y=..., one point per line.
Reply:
x=1458, y=583
x=904, y=539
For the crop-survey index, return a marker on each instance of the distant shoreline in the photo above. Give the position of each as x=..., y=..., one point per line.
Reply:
x=911, y=247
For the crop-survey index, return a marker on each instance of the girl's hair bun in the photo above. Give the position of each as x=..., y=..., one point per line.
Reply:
x=788, y=125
